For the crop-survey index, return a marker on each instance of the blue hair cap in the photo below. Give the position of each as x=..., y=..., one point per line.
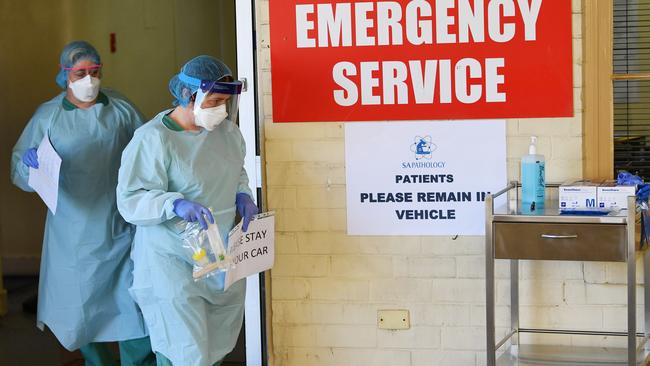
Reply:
x=200, y=68
x=72, y=53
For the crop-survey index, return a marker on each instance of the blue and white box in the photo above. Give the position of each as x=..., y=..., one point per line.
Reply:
x=612, y=196
x=580, y=194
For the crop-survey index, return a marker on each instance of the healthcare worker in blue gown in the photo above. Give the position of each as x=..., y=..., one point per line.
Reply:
x=86, y=271
x=184, y=161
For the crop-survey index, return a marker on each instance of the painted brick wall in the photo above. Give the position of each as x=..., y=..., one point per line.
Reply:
x=327, y=286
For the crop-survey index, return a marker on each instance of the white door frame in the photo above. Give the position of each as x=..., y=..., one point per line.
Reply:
x=246, y=69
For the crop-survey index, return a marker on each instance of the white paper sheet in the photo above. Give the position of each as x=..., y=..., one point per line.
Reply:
x=45, y=179
x=252, y=251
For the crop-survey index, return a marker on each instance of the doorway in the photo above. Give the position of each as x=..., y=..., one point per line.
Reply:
x=142, y=44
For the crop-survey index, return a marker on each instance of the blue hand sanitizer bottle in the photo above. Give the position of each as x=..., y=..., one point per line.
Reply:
x=532, y=178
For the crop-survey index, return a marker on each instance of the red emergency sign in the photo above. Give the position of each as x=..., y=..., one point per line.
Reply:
x=346, y=60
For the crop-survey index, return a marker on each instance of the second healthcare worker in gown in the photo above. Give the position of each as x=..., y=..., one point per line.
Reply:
x=85, y=267
x=178, y=165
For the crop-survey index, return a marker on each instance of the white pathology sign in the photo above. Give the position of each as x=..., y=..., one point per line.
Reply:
x=422, y=178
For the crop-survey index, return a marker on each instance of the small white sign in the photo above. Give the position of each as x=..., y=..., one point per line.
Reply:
x=422, y=178
x=252, y=251
x=45, y=179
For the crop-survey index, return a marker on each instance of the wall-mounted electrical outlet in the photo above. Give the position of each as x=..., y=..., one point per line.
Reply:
x=393, y=319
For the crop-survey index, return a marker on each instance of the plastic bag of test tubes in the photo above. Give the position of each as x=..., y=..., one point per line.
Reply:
x=206, y=249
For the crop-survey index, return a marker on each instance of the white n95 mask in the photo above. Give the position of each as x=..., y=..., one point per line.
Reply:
x=86, y=89
x=210, y=118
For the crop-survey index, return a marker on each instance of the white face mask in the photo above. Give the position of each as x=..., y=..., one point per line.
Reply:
x=210, y=118
x=86, y=89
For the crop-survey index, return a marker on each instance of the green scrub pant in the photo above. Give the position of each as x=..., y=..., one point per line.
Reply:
x=134, y=352
x=164, y=361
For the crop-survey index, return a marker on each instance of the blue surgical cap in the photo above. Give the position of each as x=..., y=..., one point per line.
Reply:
x=202, y=68
x=72, y=53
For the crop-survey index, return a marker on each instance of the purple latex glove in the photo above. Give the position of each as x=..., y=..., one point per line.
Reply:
x=30, y=158
x=643, y=193
x=626, y=178
x=192, y=211
x=246, y=208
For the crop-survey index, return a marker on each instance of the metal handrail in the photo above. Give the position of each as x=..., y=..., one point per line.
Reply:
x=505, y=339
x=517, y=184
x=508, y=187
x=577, y=332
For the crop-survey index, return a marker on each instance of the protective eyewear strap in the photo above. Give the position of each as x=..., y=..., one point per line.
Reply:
x=189, y=80
x=93, y=67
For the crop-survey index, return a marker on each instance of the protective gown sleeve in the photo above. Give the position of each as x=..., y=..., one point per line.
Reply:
x=243, y=176
x=142, y=196
x=31, y=137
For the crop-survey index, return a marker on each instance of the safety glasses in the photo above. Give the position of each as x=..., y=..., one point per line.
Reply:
x=81, y=72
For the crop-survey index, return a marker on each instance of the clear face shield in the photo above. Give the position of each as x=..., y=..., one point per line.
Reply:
x=215, y=94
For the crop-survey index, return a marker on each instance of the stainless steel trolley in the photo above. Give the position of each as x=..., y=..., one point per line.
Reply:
x=547, y=235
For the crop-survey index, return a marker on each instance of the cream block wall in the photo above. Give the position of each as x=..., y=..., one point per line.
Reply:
x=30, y=44
x=327, y=286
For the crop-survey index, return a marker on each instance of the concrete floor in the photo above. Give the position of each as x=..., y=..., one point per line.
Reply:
x=21, y=343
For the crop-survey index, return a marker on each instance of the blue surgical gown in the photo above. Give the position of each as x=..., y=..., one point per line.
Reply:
x=190, y=322
x=85, y=266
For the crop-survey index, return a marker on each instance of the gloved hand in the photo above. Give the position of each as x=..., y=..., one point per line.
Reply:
x=192, y=211
x=246, y=208
x=643, y=193
x=30, y=158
